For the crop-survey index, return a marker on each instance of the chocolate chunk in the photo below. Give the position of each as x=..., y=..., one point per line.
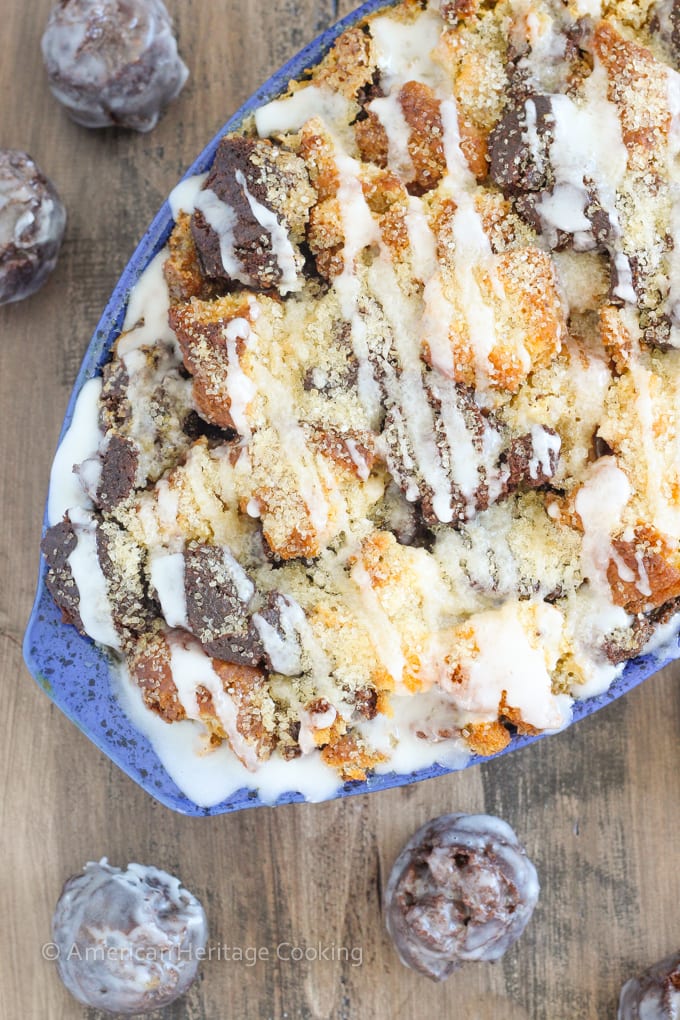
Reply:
x=32, y=222
x=218, y=595
x=194, y=427
x=655, y=994
x=527, y=205
x=603, y=230
x=59, y=542
x=665, y=22
x=119, y=459
x=626, y=642
x=462, y=889
x=113, y=63
x=531, y=460
x=122, y=564
x=515, y=166
x=674, y=17
x=601, y=448
x=657, y=330
x=250, y=216
x=521, y=85
x=519, y=148
x=369, y=92
x=143, y=406
x=114, y=406
x=366, y=701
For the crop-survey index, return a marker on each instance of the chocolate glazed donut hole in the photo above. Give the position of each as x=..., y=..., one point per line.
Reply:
x=462, y=889
x=113, y=63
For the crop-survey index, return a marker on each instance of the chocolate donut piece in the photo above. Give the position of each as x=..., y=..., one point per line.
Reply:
x=113, y=63
x=218, y=594
x=462, y=889
x=129, y=941
x=250, y=217
x=59, y=542
x=32, y=221
x=516, y=165
x=654, y=995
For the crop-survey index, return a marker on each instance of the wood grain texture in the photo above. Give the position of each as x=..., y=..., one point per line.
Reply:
x=596, y=805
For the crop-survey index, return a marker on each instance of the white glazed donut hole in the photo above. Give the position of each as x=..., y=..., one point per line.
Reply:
x=129, y=941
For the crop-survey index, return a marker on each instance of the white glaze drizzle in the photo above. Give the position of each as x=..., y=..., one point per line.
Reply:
x=167, y=577
x=404, y=49
x=183, y=197
x=421, y=241
x=472, y=253
x=360, y=231
x=240, y=388
x=209, y=778
x=624, y=283
x=146, y=317
x=587, y=143
x=80, y=443
x=293, y=443
x=94, y=605
x=642, y=577
x=546, y=448
x=358, y=459
x=167, y=503
x=222, y=219
x=311, y=723
x=192, y=668
x=389, y=112
x=282, y=248
x=600, y=503
x=406, y=390
x=243, y=586
x=289, y=114
x=507, y=660
x=283, y=646
x=384, y=636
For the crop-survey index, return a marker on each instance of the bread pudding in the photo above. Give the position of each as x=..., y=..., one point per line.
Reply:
x=385, y=463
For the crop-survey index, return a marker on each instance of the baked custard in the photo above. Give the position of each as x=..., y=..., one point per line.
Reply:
x=385, y=463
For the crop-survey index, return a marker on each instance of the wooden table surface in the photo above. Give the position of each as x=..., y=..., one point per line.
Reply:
x=597, y=806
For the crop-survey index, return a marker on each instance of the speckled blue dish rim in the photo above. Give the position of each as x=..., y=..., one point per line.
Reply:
x=76, y=674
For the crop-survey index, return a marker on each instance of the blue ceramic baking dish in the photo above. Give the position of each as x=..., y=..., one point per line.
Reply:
x=77, y=674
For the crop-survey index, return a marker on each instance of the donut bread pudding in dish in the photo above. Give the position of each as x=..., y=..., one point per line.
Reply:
x=384, y=465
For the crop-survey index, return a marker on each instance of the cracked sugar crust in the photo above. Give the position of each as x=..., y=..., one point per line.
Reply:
x=387, y=466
